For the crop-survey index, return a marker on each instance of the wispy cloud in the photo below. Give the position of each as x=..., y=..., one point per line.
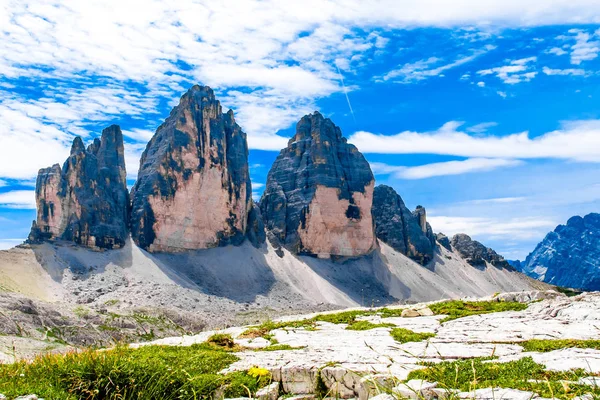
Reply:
x=431, y=67
x=443, y=168
x=563, y=72
x=18, y=199
x=575, y=140
x=492, y=228
x=517, y=71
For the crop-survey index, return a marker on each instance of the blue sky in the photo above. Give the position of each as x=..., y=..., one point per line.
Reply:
x=486, y=113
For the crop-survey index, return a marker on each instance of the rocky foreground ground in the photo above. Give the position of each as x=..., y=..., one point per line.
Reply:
x=363, y=363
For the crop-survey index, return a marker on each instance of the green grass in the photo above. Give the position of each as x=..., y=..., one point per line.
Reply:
x=366, y=325
x=402, y=335
x=151, y=372
x=543, y=346
x=568, y=291
x=458, y=309
x=279, y=347
x=468, y=375
x=454, y=309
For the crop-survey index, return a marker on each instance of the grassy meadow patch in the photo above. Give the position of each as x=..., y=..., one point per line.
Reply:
x=458, y=309
x=150, y=372
x=523, y=374
x=543, y=345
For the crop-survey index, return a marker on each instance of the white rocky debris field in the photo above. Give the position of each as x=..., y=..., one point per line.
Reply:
x=349, y=362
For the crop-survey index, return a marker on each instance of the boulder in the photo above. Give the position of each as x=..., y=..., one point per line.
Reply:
x=270, y=392
x=476, y=253
x=319, y=194
x=86, y=201
x=405, y=231
x=444, y=241
x=193, y=189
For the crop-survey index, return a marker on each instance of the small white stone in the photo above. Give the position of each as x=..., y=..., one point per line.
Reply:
x=590, y=381
x=28, y=397
x=442, y=394
x=498, y=394
x=383, y=396
x=425, y=312
x=416, y=389
x=586, y=396
x=409, y=313
x=270, y=392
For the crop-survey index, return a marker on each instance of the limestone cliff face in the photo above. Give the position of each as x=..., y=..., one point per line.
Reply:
x=86, y=201
x=193, y=189
x=405, y=231
x=319, y=194
x=476, y=253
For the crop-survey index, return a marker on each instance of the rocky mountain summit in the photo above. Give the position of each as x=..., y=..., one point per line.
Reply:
x=569, y=256
x=476, y=253
x=319, y=193
x=193, y=189
x=405, y=231
x=86, y=201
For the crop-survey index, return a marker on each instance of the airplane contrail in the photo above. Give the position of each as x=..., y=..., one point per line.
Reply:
x=345, y=91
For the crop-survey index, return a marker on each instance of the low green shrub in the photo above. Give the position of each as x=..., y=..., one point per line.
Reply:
x=402, y=335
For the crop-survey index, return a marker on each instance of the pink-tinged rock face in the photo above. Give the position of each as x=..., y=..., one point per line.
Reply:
x=49, y=204
x=193, y=188
x=86, y=201
x=199, y=211
x=328, y=229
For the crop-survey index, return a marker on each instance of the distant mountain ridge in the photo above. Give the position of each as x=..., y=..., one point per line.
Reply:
x=569, y=256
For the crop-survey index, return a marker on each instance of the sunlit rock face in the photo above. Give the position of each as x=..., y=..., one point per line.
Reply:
x=319, y=194
x=86, y=201
x=193, y=189
x=406, y=232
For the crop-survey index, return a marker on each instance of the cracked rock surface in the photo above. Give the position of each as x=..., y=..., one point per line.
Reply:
x=344, y=359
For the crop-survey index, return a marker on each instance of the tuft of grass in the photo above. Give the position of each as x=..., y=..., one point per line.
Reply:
x=458, y=309
x=222, y=340
x=151, y=372
x=543, y=345
x=523, y=374
x=366, y=325
x=402, y=335
x=264, y=329
x=278, y=347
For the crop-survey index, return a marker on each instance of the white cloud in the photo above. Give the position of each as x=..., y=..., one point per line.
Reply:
x=443, y=168
x=136, y=53
x=423, y=69
x=482, y=127
x=492, y=228
x=581, y=45
x=586, y=47
x=6, y=244
x=481, y=84
x=18, y=199
x=567, y=71
x=498, y=200
x=576, y=140
x=516, y=71
x=556, y=51
x=501, y=94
